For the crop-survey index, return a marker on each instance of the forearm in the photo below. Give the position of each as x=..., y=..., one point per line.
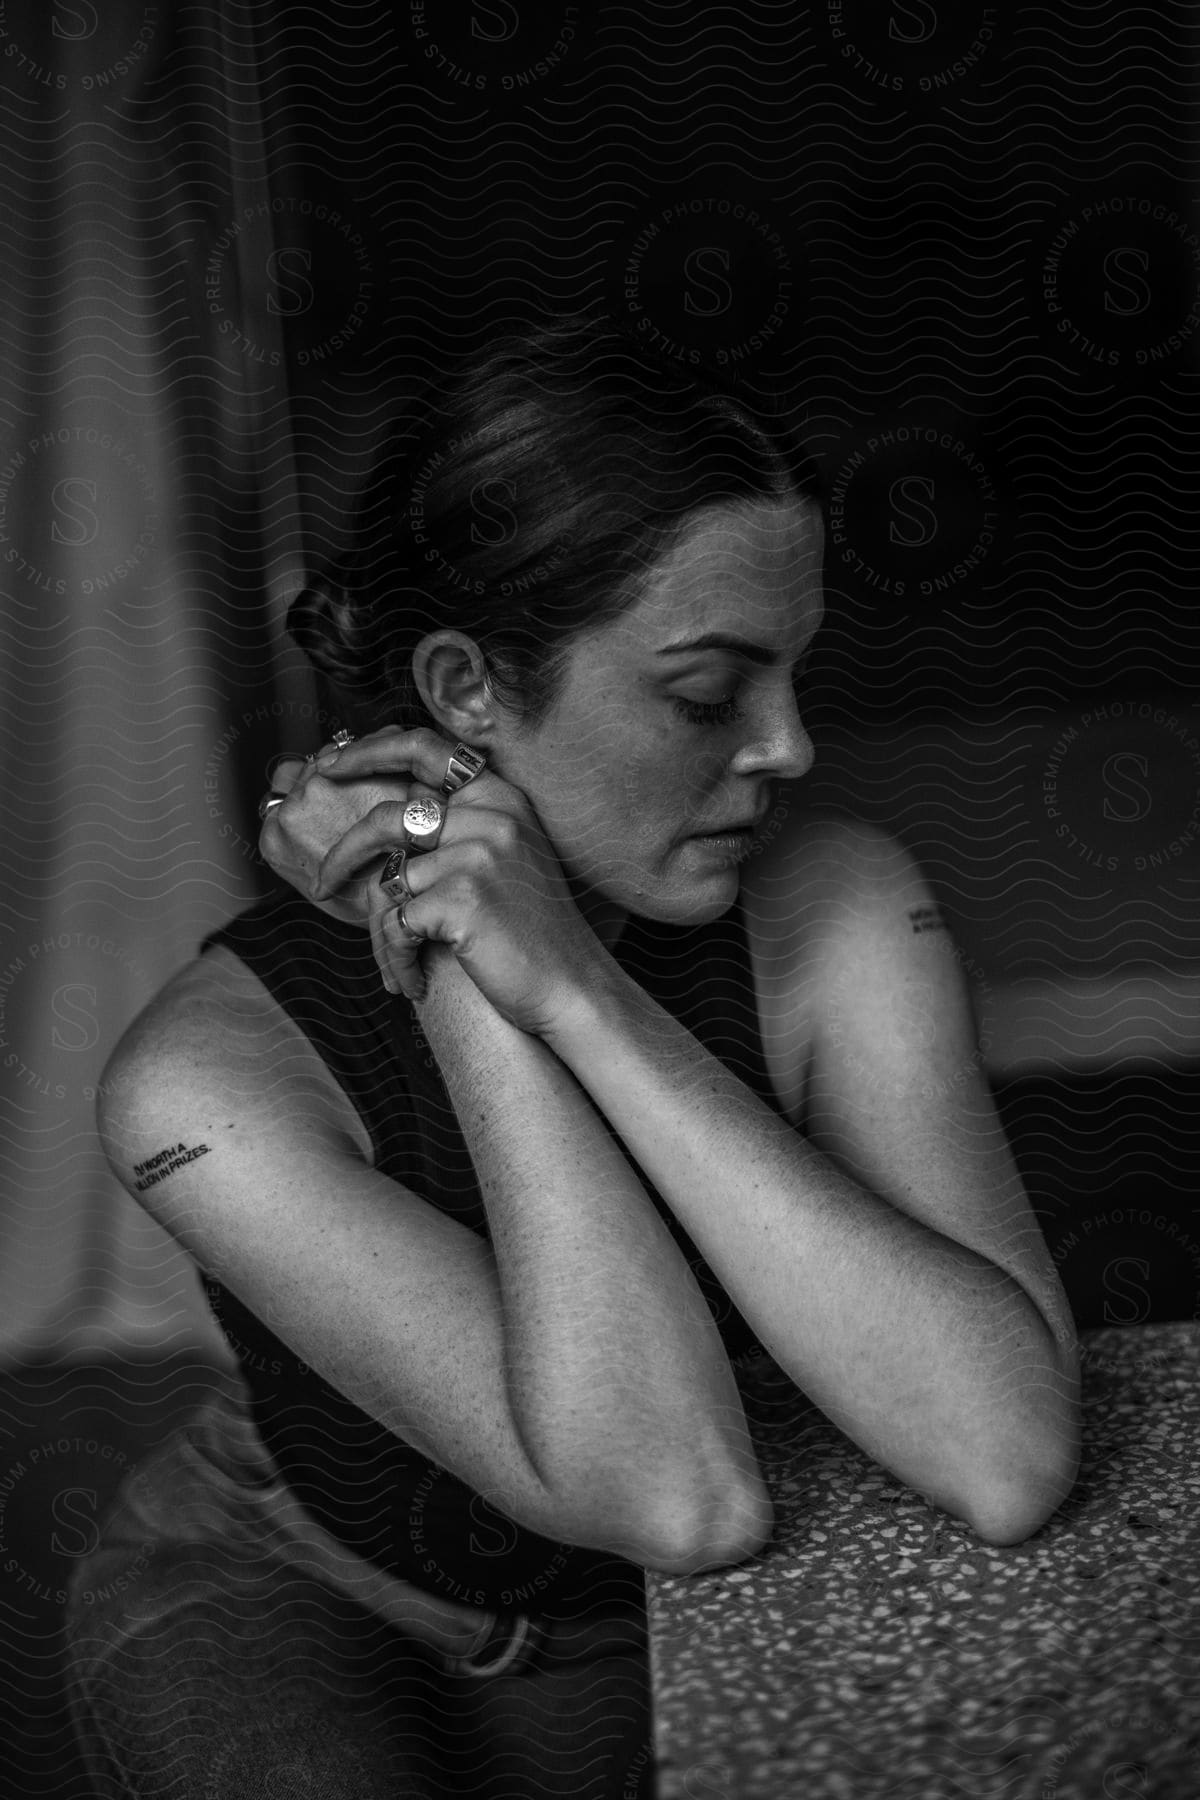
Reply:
x=621, y=1393
x=929, y=1356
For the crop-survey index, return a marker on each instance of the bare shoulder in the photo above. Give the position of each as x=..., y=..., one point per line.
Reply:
x=214, y=1027
x=805, y=900
x=822, y=882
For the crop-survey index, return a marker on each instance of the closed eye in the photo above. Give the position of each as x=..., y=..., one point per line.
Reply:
x=708, y=712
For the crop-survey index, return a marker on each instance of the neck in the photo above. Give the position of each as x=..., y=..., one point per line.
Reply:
x=606, y=918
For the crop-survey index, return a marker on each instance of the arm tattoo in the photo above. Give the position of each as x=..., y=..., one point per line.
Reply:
x=157, y=1168
x=927, y=918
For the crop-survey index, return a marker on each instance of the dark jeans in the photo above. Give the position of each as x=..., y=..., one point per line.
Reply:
x=210, y=1658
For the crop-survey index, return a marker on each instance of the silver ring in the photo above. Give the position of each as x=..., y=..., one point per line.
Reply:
x=269, y=802
x=342, y=739
x=423, y=820
x=464, y=765
x=391, y=876
x=410, y=930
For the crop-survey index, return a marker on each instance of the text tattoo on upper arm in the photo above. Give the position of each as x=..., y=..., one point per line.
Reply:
x=927, y=918
x=157, y=1168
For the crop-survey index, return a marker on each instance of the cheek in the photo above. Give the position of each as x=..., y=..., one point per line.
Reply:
x=667, y=789
x=703, y=772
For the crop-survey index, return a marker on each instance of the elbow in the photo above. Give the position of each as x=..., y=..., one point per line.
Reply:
x=1011, y=1520
x=690, y=1540
x=1010, y=1510
x=1026, y=1479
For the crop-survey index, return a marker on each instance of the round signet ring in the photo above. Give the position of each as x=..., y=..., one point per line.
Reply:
x=391, y=877
x=423, y=820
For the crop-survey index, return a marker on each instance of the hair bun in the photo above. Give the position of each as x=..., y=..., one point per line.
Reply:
x=337, y=634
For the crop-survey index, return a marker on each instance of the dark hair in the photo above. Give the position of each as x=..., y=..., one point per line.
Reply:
x=525, y=505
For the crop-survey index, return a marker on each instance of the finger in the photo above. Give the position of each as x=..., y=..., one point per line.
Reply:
x=267, y=839
x=432, y=917
x=393, y=876
x=440, y=900
x=284, y=771
x=422, y=753
x=408, y=945
x=421, y=790
x=387, y=958
x=424, y=818
x=424, y=871
x=397, y=952
x=380, y=830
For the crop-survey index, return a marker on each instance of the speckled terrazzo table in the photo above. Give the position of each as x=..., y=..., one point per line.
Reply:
x=878, y=1648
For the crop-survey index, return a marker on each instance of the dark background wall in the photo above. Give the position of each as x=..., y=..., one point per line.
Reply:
x=960, y=243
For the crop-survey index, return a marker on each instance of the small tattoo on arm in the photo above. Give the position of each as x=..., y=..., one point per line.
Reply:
x=157, y=1168
x=927, y=918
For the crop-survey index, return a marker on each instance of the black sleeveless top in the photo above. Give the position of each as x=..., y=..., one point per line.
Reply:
x=369, y=1488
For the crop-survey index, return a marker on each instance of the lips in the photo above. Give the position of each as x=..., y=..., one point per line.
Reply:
x=741, y=825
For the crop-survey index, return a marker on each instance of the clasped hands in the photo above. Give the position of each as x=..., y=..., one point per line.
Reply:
x=492, y=890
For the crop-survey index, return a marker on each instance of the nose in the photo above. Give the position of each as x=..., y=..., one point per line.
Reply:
x=785, y=751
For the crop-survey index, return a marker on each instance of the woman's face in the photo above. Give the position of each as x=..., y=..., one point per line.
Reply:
x=656, y=742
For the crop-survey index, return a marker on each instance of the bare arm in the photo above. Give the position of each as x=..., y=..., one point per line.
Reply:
x=901, y=1279
x=617, y=1377
x=572, y=1373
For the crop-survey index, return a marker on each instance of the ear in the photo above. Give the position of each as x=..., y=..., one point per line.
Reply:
x=450, y=675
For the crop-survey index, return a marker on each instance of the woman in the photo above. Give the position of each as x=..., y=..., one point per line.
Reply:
x=501, y=1145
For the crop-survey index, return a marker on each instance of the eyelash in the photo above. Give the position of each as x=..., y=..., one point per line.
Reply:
x=726, y=712
x=708, y=712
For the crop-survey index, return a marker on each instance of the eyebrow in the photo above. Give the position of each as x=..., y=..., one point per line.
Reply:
x=722, y=640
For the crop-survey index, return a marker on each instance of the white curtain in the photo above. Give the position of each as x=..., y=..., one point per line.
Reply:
x=148, y=539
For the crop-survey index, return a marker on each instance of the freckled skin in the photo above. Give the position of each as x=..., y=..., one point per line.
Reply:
x=619, y=779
